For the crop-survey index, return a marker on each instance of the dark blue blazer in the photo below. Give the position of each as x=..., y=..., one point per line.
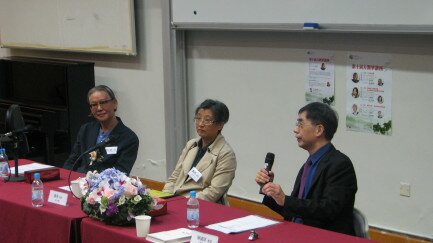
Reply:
x=330, y=200
x=127, y=148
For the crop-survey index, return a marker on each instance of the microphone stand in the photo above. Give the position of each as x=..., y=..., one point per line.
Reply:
x=16, y=177
x=70, y=172
x=97, y=146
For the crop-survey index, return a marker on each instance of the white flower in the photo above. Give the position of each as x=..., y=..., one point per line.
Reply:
x=104, y=184
x=102, y=208
x=138, y=182
x=137, y=198
x=121, y=201
x=91, y=174
x=83, y=185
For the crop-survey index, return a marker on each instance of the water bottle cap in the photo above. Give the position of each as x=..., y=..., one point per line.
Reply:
x=192, y=194
x=37, y=176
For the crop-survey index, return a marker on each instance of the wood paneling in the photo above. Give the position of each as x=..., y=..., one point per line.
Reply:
x=156, y=185
x=253, y=207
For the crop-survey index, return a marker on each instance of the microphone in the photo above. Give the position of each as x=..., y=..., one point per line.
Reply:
x=103, y=143
x=269, y=162
x=18, y=131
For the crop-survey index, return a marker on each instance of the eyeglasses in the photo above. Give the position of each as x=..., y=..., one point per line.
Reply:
x=301, y=124
x=102, y=103
x=204, y=121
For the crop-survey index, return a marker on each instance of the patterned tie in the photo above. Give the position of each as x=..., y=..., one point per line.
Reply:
x=307, y=166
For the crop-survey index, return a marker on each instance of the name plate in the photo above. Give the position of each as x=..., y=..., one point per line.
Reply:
x=58, y=198
x=194, y=174
x=199, y=237
x=111, y=150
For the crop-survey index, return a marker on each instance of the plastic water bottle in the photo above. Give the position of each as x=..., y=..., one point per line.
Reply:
x=4, y=166
x=192, y=211
x=37, y=191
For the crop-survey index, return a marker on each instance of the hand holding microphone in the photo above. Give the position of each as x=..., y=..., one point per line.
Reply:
x=265, y=175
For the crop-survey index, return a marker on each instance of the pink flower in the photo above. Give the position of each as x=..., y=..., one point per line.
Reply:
x=90, y=200
x=108, y=192
x=130, y=190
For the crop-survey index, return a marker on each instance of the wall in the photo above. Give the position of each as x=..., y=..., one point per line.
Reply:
x=260, y=76
x=138, y=84
x=4, y=52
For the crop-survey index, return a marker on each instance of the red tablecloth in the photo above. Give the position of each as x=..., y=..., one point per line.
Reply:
x=21, y=222
x=210, y=213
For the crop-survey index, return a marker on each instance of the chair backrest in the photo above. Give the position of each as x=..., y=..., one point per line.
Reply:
x=360, y=224
x=223, y=200
x=14, y=122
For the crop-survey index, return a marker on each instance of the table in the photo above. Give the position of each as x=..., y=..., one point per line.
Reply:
x=210, y=213
x=21, y=222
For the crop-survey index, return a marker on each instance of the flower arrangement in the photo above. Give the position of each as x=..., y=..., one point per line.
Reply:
x=113, y=197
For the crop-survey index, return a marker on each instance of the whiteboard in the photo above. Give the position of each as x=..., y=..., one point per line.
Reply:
x=396, y=16
x=101, y=26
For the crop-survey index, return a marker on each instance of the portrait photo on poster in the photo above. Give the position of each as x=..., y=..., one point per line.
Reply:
x=355, y=92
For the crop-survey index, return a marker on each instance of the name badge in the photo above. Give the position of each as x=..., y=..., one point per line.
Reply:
x=199, y=237
x=111, y=150
x=194, y=174
x=58, y=198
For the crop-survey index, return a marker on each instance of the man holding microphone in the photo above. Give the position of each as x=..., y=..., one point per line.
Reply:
x=324, y=192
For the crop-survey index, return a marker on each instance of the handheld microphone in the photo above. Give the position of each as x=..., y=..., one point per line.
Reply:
x=22, y=130
x=269, y=162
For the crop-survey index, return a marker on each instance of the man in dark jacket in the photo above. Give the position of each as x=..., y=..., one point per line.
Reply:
x=324, y=192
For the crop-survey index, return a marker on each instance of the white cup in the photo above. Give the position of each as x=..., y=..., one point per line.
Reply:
x=142, y=224
x=75, y=187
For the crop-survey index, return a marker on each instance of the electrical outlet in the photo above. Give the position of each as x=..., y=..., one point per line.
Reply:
x=404, y=189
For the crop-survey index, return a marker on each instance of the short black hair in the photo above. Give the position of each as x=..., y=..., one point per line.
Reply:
x=321, y=113
x=218, y=108
x=103, y=88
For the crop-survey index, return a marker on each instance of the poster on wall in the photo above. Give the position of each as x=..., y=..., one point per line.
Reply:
x=368, y=93
x=319, y=77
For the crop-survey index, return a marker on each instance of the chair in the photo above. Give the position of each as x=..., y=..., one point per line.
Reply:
x=223, y=199
x=14, y=122
x=20, y=146
x=360, y=224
